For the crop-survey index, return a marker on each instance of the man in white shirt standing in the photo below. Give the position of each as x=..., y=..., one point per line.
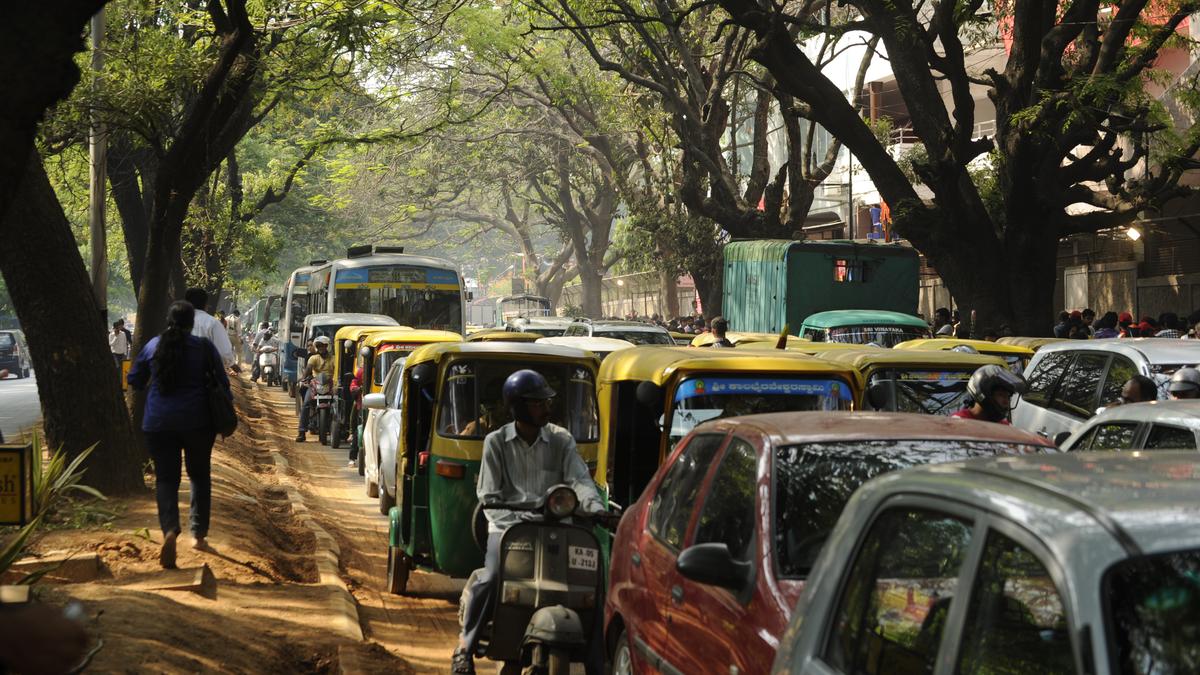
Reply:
x=118, y=344
x=207, y=326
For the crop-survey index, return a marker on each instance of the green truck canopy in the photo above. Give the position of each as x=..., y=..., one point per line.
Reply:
x=773, y=283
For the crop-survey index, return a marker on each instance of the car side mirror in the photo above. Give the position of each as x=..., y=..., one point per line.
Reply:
x=879, y=395
x=714, y=565
x=375, y=401
x=1060, y=438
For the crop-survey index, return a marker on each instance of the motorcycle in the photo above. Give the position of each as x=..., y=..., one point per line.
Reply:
x=321, y=412
x=268, y=365
x=550, y=587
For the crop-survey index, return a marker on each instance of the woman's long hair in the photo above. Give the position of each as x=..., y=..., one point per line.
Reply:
x=168, y=357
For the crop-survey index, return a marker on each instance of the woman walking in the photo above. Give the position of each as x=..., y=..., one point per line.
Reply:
x=174, y=368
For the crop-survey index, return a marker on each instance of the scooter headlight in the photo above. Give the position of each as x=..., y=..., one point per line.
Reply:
x=562, y=502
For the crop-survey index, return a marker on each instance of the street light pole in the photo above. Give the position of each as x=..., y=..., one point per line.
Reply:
x=97, y=149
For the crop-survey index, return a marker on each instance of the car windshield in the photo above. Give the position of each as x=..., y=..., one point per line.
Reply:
x=884, y=336
x=637, y=337
x=813, y=482
x=541, y=330
x=472, y=406
x=933, y=392
x=700, y=399
x=1154, y=611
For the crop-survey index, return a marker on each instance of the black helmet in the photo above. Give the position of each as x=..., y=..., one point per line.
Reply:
x=526, y=384
x=1184, y=380
x=264, y=324
x=985, y=381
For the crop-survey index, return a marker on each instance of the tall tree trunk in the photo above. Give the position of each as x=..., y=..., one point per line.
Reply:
x=78, y=382
x=134, y=205
x=710, y=282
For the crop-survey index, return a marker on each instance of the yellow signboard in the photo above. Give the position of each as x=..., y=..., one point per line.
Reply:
x=16, y=484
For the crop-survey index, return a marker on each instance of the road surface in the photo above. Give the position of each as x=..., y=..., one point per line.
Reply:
x=20, y=408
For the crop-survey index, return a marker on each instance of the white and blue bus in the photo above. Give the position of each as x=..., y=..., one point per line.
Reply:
x=416, y=291
x=291, y=326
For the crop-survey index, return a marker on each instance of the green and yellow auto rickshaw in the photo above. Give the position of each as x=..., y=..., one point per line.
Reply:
x=912, y=380
x=652, y=396
x=450, y=399
x=863, y=326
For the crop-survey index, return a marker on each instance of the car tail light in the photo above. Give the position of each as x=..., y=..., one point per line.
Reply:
x=450, y=469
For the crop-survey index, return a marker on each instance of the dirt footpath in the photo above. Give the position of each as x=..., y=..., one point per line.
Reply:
x=421, y=628
x=278, y=605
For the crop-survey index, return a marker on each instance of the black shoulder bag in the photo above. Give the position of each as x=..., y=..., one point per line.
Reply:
x=220, y=405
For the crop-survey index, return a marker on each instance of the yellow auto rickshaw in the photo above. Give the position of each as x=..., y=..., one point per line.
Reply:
x=346, y=342
x=652, y=396
x=912, y=380
x=502, y=335
x=1015, y=357
x=450, y=399
x=1034, y=343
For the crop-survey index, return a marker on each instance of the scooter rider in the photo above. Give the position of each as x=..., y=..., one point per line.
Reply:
x=1185, y=383
x=992, y=388
x=265, y=342
x=318, y=363
x=521, y=461
x=260, y=338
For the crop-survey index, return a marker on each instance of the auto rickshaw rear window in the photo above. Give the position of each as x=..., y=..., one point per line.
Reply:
x=700, y=399
x=472, y=403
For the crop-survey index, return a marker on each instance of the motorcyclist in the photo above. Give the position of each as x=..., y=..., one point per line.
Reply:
x=1184, y=384
x=318, y=363
x=521, y=461
x=265, y=341
x=991, y=389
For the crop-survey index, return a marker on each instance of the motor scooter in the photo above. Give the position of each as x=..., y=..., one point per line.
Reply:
x=268, y=364
x=550, y=587
x=322, y=386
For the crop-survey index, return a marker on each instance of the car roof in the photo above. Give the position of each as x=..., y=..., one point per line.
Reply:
x=628, y=325
x=1186, y=413
x=789, y=428
x=1152, y=350
x=879, y=317
x=592, y=343
x=542, y=320
x=1144, y=500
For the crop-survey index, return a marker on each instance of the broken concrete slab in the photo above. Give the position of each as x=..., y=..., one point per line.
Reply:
x=198, y=580
x=60, y=567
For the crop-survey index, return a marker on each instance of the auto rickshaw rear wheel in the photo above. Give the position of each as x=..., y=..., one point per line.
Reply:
x=398, y=567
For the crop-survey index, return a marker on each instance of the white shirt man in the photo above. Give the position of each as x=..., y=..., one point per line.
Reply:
x=207, y=326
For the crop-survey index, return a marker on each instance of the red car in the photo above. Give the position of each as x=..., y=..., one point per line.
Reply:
x=708, y=563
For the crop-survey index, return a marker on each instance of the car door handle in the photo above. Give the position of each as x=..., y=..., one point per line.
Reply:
x=677, y=594
x=636, y=558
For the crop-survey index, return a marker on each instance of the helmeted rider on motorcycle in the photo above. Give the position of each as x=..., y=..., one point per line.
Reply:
x=521, y=461
x=991, y=389
x=1184, y=384
x=321, y=362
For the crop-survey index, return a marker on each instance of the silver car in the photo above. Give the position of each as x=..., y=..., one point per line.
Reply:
x=1068, y=381
x=1159, y=425
x=381, y=436
x=1069, y=563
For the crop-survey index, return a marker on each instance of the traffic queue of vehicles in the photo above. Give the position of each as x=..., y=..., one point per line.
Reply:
x=760, y=490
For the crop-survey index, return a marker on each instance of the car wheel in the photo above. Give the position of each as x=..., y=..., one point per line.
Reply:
x=621, y=659
x=386, y=502
x=19, y=373
x=335, y=434
x=372, y=487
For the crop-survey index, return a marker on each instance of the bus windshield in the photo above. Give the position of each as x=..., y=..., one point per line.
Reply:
x=420, y=297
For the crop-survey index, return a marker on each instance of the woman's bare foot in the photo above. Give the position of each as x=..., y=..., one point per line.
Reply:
x=166, y=557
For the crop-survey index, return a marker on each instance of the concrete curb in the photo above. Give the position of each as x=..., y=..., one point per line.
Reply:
x=344, y=619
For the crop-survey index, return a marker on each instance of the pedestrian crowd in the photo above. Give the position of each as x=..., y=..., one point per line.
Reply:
x=1083, y=325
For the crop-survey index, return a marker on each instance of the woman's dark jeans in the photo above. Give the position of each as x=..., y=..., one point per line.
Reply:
x=171, y=450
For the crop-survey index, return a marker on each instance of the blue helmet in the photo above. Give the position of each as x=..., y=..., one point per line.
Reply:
x=526, y=384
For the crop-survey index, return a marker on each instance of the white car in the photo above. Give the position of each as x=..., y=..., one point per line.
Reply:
x=1067, y=382
x=381, y=434
x=631, y=331
x=1159, y=425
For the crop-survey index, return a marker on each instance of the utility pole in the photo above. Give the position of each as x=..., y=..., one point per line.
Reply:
x=97, y=149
